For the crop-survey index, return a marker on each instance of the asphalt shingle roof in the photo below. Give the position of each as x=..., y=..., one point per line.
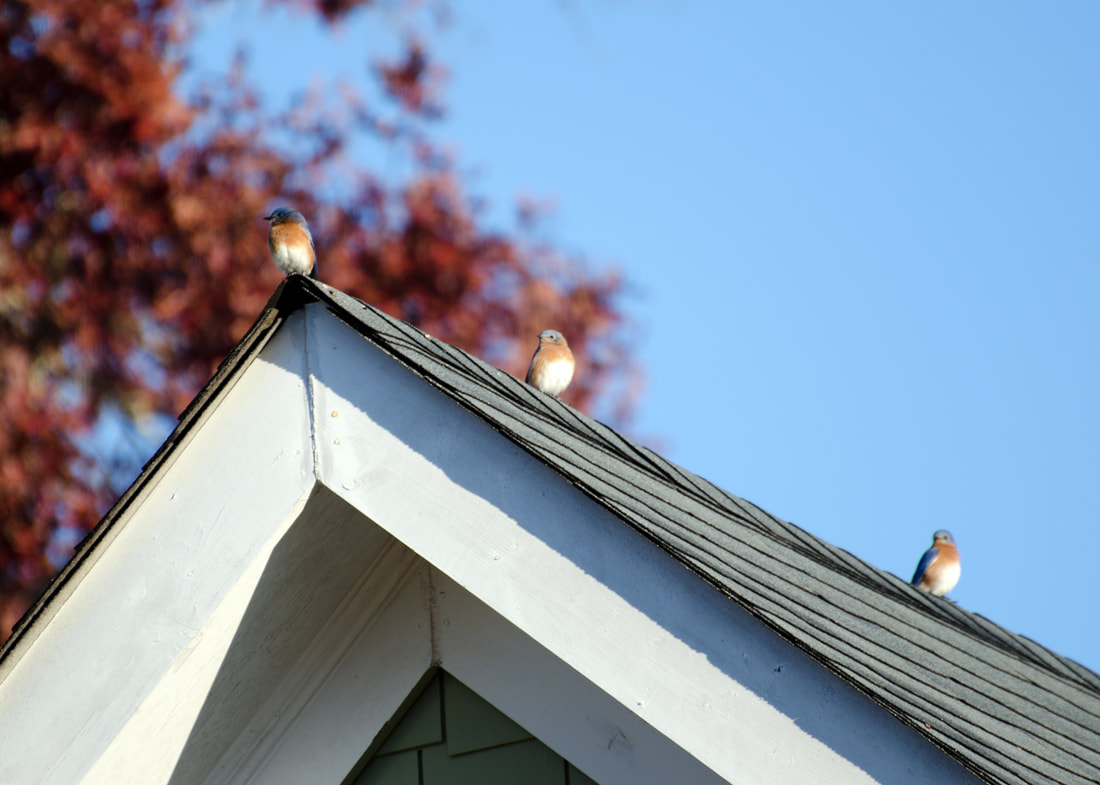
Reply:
x=1006, y=708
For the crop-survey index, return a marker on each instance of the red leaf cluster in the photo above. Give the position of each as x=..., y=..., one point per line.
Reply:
x=414, y=81
x=133, y=257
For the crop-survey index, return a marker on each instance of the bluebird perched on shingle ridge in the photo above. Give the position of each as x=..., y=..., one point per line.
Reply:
x=552, y=365
x=939, y=568
x=291, y=243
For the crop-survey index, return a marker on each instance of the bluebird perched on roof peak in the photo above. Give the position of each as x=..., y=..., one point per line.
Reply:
x=290, y=242
x=939, y=568
x=552, y=365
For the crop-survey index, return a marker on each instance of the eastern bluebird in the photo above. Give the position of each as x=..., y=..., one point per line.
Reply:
x=939, y=568
x=291, y=243
x=552, y=365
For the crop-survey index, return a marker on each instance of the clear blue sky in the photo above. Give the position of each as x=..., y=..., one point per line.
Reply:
x=864, y=241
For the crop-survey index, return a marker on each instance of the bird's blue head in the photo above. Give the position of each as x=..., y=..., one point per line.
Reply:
x=285, y=215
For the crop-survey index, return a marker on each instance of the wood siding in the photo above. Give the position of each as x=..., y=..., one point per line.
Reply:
x=451, y=736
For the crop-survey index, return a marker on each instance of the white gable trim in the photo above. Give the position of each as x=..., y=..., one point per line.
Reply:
x=321, y=734
x=136, y=611
x=259, y=589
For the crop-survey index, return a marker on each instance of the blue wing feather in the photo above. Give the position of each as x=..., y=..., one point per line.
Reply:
x=925, y=560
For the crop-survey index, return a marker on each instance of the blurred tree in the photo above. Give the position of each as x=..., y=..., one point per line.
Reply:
x=133, y=257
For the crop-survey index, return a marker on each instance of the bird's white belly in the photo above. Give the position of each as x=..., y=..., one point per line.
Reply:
x=555, y=376
x=946, y=579
x=292, y=260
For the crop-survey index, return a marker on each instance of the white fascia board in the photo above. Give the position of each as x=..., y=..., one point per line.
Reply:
x=141, y=607
x=329, y=577
x=605, y=739
x=322, y=734
x=357, y=671
x=603, y=599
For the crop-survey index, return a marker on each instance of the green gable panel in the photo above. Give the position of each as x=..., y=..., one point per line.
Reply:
x=449, y=735
x=422, y=724
x=472, y=723
x=522, y=763
x=401, y=768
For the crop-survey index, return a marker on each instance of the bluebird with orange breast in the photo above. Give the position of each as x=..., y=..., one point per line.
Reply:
x=939, y=568
x=291, y=243
x=552, y=365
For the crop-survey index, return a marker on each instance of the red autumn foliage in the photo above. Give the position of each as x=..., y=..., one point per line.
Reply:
x=133, y=256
